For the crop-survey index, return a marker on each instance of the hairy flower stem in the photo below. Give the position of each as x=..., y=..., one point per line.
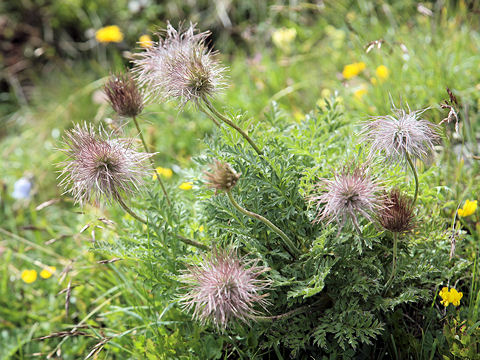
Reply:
x=292, y=248
x=205, y=111
x=231, y=124
x=394, y=260
x=410, y=162
x=151, y=160
x=142, y=220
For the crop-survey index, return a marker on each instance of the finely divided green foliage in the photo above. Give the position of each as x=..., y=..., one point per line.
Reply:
x=333, y=295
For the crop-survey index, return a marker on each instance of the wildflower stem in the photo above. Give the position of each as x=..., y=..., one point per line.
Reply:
x=202, y=108
x=410, y=162
x=231, y=124
x=151, y=160
x=128, y=210
x=292, y=248
x=394, y=260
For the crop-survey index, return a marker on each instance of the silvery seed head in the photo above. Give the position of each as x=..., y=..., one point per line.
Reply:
x=180, y=66
x=123, y=94
x=101, y=167
x=351, y=192
x=224, y=288
x=400, y=135
x=221, y=177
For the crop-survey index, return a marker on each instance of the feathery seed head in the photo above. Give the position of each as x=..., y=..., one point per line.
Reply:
x=402, y=134
x=221, y=177
x=397, y=214
x=180, y=66
x=351, y=192
x=123, y=94
x=100, y=166
x=224, y=288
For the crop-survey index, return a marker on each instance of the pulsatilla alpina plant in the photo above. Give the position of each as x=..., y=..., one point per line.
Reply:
x=331, y=289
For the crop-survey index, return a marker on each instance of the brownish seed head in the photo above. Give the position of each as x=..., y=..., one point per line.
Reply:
x=123, y=94
x=221, y=177
x=397, y=215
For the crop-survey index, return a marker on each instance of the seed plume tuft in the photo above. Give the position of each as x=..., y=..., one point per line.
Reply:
x=221, y=177
x=123, y=94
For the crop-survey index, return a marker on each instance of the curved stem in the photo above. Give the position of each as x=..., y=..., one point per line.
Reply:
x=231, y=124
x=129, y=211
x=151, y=160
x=290, y=245
x=205, y=111
x=410, y=162
x=192, y=242
x=394, y=261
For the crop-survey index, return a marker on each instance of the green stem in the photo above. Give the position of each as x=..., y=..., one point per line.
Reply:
x=151, y=160
x=394, y=260
x=205, y=111
x=292, y=248
x=410, y=162
x=142, y=220
x=231, y=124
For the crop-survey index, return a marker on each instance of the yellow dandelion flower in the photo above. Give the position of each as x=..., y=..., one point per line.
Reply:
x=145, y=41
x=358, y=94
x=165, y=172
x=468, y=208
x=382, y=72
x=48, y=272
x=29, y=276
x=109, y=34
x=186, y=185
x=352, y=70
x=283, y=38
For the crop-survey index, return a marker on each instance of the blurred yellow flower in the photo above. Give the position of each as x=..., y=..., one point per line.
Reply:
x=201, y=228
x=468, y=208
x=358, y=94
x=29, y=276
x=165, y=172
x=374, y=81
x=145, y=41
x=298, y=115
x=283, y=38
x=108, y=34
x=382, y=72
x=352, y=70
x=186, y=185
x=450, y=297
x=48, y=272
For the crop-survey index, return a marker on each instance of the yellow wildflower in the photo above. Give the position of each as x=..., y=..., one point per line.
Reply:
x=468, y=208
x=186, y=185
x=29, y=276
x=108, y=34
x=298, y=115
x=352, y=70
x=374, y=81
x=450, y=297
x=382, y=72
x=282, y=38
x=145, y=41
x=48, y=272
x=201, y=228
x=165, y=172
x=358, y=94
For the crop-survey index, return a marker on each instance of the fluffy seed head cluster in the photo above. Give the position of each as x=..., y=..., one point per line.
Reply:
x=180, y=66
x=123, y=94
x=221, y=177
x=100, y=166
x=224, y=288
x=351, y=192
x=402, y=134
x=397, y=214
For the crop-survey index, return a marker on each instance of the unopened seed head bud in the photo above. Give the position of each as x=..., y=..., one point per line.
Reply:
x=397, y=215
x=222, y=177
x=124, y=96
